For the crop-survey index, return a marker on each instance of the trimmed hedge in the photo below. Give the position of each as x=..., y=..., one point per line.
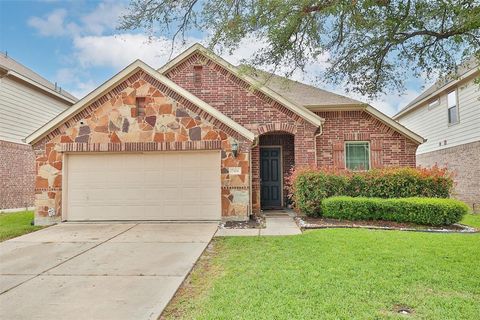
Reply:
x=427, y=211
x=309, y=186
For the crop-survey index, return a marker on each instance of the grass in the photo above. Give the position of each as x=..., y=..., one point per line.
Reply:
x=335, y=274
x=472, y=220
x=15, y=224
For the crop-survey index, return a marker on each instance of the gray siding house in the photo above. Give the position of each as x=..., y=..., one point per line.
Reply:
x=448, y=116
x=27, y=101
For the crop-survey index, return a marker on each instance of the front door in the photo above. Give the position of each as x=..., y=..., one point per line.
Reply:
x=270, y=177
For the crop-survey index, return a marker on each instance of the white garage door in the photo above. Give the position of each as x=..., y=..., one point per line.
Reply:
x=149, y=186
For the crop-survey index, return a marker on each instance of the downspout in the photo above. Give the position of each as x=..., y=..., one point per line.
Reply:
x=315, y=143
x=254, y=144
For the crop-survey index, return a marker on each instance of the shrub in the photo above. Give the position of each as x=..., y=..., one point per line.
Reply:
x=427, y=211
x=309, y=186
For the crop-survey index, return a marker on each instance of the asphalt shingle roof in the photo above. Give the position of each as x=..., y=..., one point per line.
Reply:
x=301, y=93
x=10, y=64
x=462, y=69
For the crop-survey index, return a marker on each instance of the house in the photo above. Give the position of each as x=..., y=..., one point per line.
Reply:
x=27, y=101
x=199, y=139
x=448, y=115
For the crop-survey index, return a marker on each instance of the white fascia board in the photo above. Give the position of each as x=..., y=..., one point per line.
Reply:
x=437, y=92
x=110, y=84
x=39, y=86
x=300, y=110
x=200, y=103
x=394, y=124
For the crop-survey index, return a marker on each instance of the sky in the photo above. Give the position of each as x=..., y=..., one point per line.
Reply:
x=77, y=44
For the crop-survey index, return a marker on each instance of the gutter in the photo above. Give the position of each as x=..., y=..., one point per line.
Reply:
x=437, y=92
x=11, y=73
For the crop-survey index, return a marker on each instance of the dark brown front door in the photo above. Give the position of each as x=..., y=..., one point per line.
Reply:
x=270, y=177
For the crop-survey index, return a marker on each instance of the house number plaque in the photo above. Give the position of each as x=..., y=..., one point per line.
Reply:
x=235, y=170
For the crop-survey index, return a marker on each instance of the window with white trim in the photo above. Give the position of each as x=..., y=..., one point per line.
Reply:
x=434, y=103
x=452, y=107
x=357, y=155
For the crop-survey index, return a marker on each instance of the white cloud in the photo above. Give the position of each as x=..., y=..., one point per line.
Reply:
x=105, y=17
x=52, y=24
x=59, y=23
x=65, y=75
x=81, y=89
x=94, y=48
x=119, y=50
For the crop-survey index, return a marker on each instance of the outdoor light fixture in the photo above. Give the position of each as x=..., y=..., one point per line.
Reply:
x=235, y=148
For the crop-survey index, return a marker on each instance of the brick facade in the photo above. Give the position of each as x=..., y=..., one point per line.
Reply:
x=247, y=106
x=17, y=174
x=464, y=162
x=388, y=148
x=110, y=124
x=235, y=98
x=172, y=122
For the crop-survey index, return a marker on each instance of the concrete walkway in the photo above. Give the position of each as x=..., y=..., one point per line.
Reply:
x=98, y=270
x=278, y=223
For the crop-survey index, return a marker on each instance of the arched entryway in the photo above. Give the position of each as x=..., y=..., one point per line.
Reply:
x=276, y=158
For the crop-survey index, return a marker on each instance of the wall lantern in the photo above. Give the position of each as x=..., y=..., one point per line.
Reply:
x=235, y=148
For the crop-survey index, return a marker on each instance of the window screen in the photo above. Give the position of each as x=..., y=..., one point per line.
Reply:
x=357, y=155
x=452, y=107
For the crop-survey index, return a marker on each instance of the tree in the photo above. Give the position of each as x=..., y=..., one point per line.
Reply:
x=372, y=44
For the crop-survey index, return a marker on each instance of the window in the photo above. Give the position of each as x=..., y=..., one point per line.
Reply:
x=140, y=102
x=197, y=75
x=357, y=155
x=452, y=107
x=434, y=103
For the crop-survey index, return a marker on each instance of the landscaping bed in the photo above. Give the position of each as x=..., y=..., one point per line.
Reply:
x=256, y=222
x=306, y=223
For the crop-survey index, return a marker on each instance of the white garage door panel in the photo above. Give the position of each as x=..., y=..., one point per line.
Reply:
x=151, y=186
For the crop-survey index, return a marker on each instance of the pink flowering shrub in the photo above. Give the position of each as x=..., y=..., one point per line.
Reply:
x=308, y=186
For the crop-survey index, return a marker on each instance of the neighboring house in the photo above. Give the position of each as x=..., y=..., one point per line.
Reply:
x=200, y=140
x=448, y=115
x=27, y=102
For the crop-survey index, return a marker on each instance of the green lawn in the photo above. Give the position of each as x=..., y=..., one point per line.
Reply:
x=472, y=220
x=15, y=224
x=335, y=274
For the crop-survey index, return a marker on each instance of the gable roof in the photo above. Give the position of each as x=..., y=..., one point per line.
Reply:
x=296, y=108
x=18, y=70
x=118, y=78
x=301, y=98
x=465, y=70
x=301, y=93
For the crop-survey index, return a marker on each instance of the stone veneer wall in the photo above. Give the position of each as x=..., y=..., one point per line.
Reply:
x=171, y=123
x=388, y=148
x=464, y=162
x=17, y=175
x=247, y=106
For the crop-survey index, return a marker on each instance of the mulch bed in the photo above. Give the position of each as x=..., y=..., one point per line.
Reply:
x=322, y=223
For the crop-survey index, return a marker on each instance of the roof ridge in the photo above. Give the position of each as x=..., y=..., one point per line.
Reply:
x=4, y=57
x=462, y=69
x=304, y=84
x=110, y=85
x=298, y=109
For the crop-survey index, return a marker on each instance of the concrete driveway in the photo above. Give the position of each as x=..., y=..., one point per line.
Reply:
x=98, y=270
